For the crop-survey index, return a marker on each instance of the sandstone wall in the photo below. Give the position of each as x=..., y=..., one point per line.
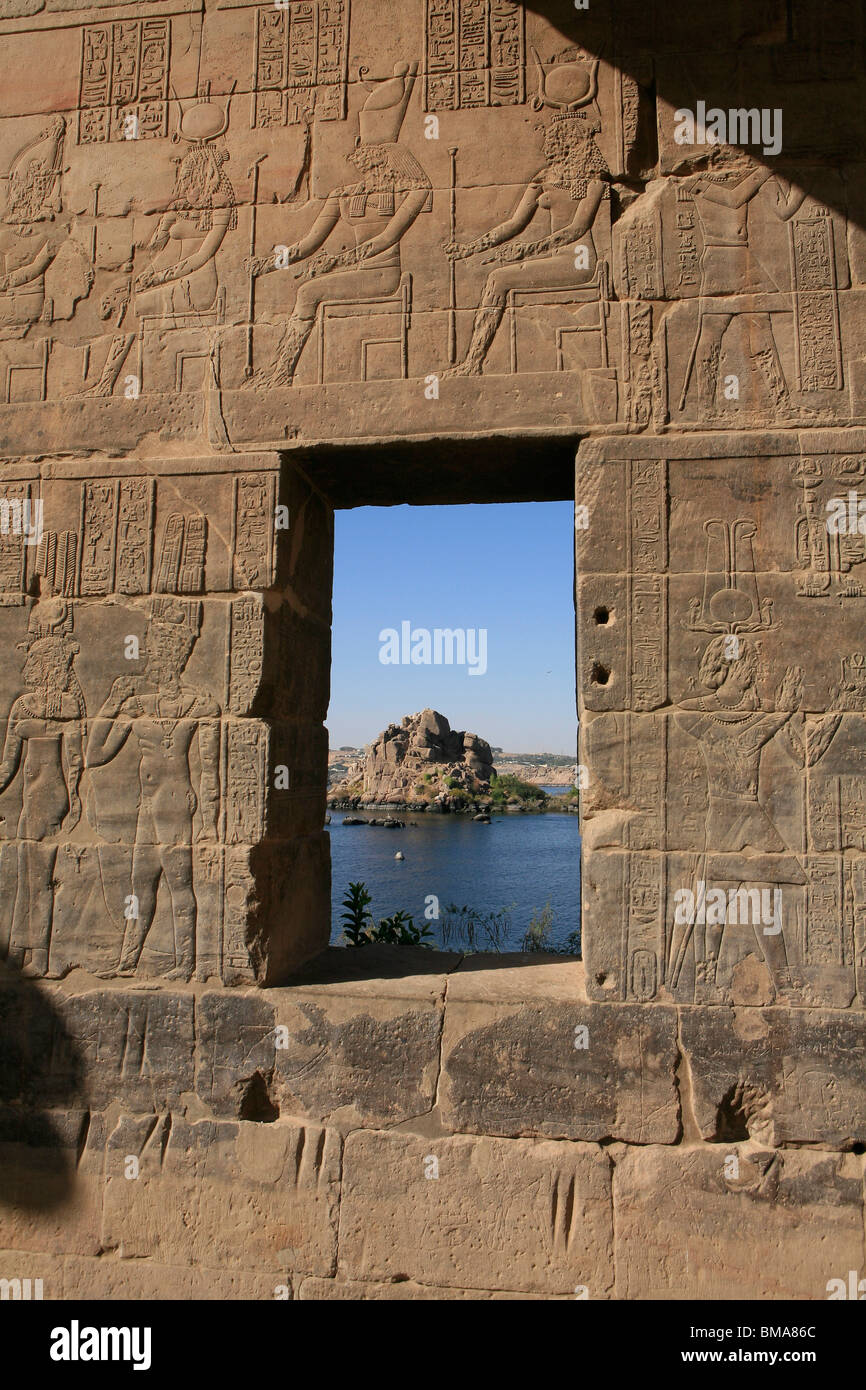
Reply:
x=404, y=1125
x=261, y=261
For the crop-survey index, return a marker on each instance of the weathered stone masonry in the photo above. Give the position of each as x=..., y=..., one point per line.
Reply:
x=258, y=263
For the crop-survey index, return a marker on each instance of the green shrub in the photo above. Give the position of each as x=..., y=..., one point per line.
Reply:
x=356, y=917
x=509, y=787
x=538, y=933
x=359, y=929
x=400, y=930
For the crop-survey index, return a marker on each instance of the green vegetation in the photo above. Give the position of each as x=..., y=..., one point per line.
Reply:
x=359, y=928
x=513, y=789
x=400, y=930
x=356, y=917
x=465, y=928
x=538, y=933
x=461, y=928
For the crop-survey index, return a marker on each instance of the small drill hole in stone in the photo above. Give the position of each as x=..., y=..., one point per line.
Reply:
x=602, y=615
x=599, y=675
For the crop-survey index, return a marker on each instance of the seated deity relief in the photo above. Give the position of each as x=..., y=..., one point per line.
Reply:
x=706, y=297
x=179, y=283
x=377, y=212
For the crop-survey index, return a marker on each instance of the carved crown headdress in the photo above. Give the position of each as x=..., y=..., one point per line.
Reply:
x=50, y=617
x=730, y=602
x=382, y=115
x=35, y=174
x=176, y=615
x=568, y=86
x=204, y=119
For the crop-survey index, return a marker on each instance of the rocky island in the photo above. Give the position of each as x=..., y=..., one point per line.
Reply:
x=423, y=764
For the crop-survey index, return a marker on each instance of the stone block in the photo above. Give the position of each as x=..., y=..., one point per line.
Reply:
x=516, y=1214
x=520, y=1059
x=780, y=1229
x=223, y=1195
x=780, y=1076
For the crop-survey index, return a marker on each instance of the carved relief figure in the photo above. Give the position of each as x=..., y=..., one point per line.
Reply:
x=27, y=245
x=742, y=845
x=733, y=729
x=378, y=211
x=46, y=729
x=722, y=195
x=570, y=187
x=164, y=715
x=182, y=275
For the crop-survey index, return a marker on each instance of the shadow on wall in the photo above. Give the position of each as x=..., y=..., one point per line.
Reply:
x=40, y=1068
x=735, y=54
x=379, y=961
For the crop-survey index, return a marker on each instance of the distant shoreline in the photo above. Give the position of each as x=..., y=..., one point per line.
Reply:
x=553, y=805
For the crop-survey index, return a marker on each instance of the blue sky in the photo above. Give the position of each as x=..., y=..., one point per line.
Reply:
x=504, y=568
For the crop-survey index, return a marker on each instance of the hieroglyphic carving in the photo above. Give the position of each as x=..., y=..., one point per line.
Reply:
x=246, y=651
x=643, y=930
x=647, y=773
x=98, y=532
x=851, y=691
x=182, y=560
x=191, y=577
x=647, y=502
x=648, y=603
x=247, y=769
x=688, y=274
x=637, y=361
x=117, y=539
x=57, y=562
x=627, y=112
x=253, y=521
x=474, y=54
x=13, y=547
x=642, y=259
x=824, y=937
x=134, y=535
x=301, y=62
x=817, y=343
x=124, y=73
x=235, y=906
x=826, y=556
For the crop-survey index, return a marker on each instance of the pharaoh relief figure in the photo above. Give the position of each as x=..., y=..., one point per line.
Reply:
x=732, y=725
x=44, y=739
x=743, y=846
x=181, y=277
x=722, y=196
x=570, y=187
x=30, y=237
x=163, y=714
x=377, y=211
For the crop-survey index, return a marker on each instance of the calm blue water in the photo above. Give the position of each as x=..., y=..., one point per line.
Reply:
x=525, y=860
